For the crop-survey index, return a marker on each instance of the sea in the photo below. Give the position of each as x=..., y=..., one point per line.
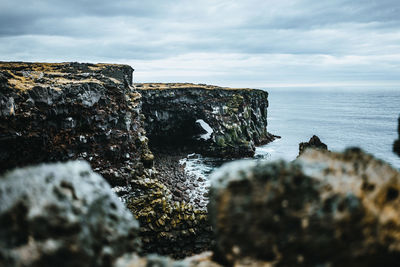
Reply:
x=340, y=117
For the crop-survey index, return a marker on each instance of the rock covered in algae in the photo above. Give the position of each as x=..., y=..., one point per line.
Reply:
x=324, y=209
x=168, y=227
x=62, y=215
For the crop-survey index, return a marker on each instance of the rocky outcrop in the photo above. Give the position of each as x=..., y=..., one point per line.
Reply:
x=168, y=227
x=214, y=121
x=324, y=209
x=396, y=145
x=314, y=142
x=62, y=215
x=60, y=111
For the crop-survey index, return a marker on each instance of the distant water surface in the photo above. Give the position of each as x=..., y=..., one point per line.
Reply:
x=340, y=117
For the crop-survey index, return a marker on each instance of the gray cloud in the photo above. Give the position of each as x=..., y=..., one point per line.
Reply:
x=287, y=41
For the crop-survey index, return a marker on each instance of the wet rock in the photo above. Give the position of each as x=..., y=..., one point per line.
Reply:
x=314, y=142
x=396, y=145
x=213, y=121
x=324, y=209
x=62, y=215
x=59, y=111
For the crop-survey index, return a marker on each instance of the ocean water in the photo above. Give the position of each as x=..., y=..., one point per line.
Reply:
x=366, y=118
x=341, y=117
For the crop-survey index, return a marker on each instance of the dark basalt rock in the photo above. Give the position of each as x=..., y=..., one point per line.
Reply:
x=314, y=142
x=233, y=121
x=168, y=227
x=396, y=145
x=324, y=209
x=62, y=215
x=60, y=111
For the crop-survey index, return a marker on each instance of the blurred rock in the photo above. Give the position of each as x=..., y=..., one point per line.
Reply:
x=62, y=215
x=314, y=142
x=324, y=209
x=396, y=145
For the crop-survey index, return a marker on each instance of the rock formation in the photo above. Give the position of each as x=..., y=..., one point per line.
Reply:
x=211, y=120
x=314, y=142
x=60, y=111
x=168, y=227
x=55, y=112
x=324, y=209
x=62, y=215
x=396, y=145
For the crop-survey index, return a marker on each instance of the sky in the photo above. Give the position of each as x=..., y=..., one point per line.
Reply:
x=252, y=43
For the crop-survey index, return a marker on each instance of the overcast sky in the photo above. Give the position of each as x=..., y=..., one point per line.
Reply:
x=251, y=43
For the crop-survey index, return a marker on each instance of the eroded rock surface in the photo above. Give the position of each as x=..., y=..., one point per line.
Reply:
x=62, y=215
x=314, y=142
x=59, y=111
x=324, y=209
x=396, y=145
x=211, y=120
x=168, y=227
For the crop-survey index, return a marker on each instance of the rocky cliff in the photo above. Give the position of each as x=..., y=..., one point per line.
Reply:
x=55, y=112
x=214, y=121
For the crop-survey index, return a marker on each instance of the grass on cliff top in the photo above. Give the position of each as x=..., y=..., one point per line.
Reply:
x=25, y=75
x=171, y=86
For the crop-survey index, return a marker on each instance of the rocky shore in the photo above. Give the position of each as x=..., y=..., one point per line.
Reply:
x=51, y=112
x=323, y=209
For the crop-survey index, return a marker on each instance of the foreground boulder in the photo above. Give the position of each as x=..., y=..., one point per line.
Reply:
x=396, y=146
x=314, y=142
x=324, y=209
x=62, y=215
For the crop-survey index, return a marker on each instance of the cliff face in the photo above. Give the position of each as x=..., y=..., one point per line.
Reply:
x=54, y=112
x=214, y=121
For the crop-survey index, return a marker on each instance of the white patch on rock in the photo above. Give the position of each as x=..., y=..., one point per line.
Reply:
x=207, y=128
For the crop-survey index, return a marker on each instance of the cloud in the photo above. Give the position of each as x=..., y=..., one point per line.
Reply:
x=250, y=42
